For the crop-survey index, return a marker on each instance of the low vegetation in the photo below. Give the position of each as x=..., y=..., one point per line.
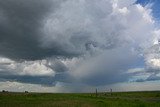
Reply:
x=116, y=99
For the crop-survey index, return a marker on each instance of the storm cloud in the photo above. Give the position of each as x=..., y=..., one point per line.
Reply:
x=20, y=25
x=89, y=42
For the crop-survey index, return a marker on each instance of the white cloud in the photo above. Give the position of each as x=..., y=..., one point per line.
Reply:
x=5, y=61
x=21, y=87
x=112, y=28
x=37, y=68
x=32, y=68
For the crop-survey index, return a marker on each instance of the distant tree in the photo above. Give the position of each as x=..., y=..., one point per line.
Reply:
x=4, y=91
x=26, y=92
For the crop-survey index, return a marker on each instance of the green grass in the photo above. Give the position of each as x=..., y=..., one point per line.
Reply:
x=117, y=99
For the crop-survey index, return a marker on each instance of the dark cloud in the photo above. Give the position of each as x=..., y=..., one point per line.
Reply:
x=42, y=80
x=25, y=34
x=153, y=77
x=140, y=80
x=57, y=66
x=20, y=29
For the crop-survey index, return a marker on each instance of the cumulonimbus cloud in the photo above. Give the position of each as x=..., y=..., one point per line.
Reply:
x=85, y=41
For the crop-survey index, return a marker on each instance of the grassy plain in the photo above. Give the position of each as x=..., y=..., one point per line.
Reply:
x=117, y=99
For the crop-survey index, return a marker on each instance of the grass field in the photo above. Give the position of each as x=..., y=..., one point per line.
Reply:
x=117, y=99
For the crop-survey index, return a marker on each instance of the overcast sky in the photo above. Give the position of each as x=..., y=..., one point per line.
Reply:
x=79, y=45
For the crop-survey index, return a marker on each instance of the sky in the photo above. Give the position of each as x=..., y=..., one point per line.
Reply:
x=155, y=7
x=79, y=45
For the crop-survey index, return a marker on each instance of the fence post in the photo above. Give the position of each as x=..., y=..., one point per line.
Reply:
x=111, y=91
x=96, y=92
